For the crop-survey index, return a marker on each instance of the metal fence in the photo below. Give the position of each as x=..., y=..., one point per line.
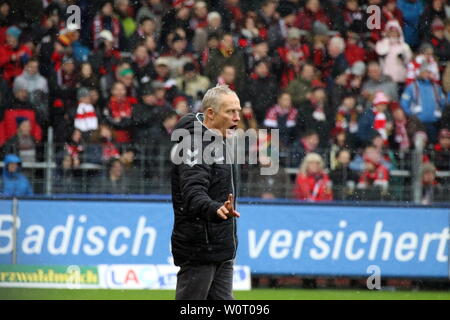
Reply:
x=149, y=173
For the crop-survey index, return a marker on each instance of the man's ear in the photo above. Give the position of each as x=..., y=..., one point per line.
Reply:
x=209, y=113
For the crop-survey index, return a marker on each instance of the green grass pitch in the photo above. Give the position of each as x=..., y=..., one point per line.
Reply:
x=256, y=294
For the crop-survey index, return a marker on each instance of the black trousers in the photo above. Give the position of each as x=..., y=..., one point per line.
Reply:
x=212, y=281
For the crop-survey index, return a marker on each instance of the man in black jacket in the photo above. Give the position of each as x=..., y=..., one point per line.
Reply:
x=204, y=238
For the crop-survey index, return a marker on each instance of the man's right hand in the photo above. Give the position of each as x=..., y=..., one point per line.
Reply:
x=227, y=209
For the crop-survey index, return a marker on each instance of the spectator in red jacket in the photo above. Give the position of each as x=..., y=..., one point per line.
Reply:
x=312, y=183
x=374, y=175
x=13, y=55
x=312, y=12
x=119, y=112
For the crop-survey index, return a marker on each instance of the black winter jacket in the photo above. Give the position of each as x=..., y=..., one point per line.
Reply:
x=198, y=191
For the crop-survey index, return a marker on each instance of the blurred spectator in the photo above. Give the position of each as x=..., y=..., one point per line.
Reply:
x=442, y=150
x=311, y=12
x=86, y=119
x=354, y=47
x=339, y=141
x=228, y=76
x=248, y=118
x=142, y=65
x=376, y=81
x=73, y=151
x=374, y=176
x=165, y=81
x=261, y=81
x=146, y=28
x=293, y=54
x=181, y=106
x=394, y=52
x=118, y=113
x=15, y=184
x=308, y=142
x=23, y=143
x=226, y=54
x=343, y=178
x=177, y=56
x=176, y=18
x=265, y=16
x=146, y=117
x=425, y=99
x=283, y=116
x=202, y=34
x=335, y=62
x=105, y=20
x=259, y=51
x=87, y=78
x=125, y=15
x=425, y=59
x=191, y=83
x=5, y=19
x=249, y=30
x=114, y=181
x=440, y=44
x=153, y=9
x=375, y=120
x=315, y=114
x=347, y=117
x=103, y=145
x=312, y=183
x=433, y=10
x=300, y=87
x=407, y=129
x=131, y=171
x=432, y=190
x=278, y=32
x=412, y=11
x=13, y=55
x=63, y=82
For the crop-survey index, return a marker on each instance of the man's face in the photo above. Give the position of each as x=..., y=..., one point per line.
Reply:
x=179, y=45
x=374, y=72
x=148, y=27
x=429, y=177
x=116, y=169
x=189, y=75
x=32, y=68
x=11, y=41
x=68, y=67
x=228, y=75
x=227, y=42
x=262, y=70
x=444, y=142
x=149, y=99
x=308, y=72
x=285, y=101
x=344, y=158
x=25, y=128
x=227, y=119
x=261, y=49
x=312, y=141
x=12, y=167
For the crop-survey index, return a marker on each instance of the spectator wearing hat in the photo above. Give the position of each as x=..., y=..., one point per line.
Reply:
x=180, y=105
x=261, y=80
x=191, y=83
x=13, y=55
x=312, y=11
x=15, y=184
x=412, y=11
x=376, y=119
x=407, y=131
x=434, y=10
x=425, y=99
x=104, y=58
x=432, y=190
x=394, y=52
x=146, y=116
x=105, y=20
x=440, y=44
x=292, y=55
x=278, y=32
x=63, y=82
x=86, y=119
x=23, y=143
x=163, y=81
x=226, y=54
x=442, y=150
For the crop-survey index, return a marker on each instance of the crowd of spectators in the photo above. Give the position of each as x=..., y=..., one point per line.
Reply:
x=113, y=88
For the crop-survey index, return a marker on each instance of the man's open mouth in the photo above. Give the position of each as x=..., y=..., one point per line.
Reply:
x=233, y=127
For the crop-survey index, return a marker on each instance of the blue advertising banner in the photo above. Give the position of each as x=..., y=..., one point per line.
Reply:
x=273, y=239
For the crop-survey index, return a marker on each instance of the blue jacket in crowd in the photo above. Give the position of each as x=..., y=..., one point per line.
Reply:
x=411, y=10
x=424, y=99
x=15, y=183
